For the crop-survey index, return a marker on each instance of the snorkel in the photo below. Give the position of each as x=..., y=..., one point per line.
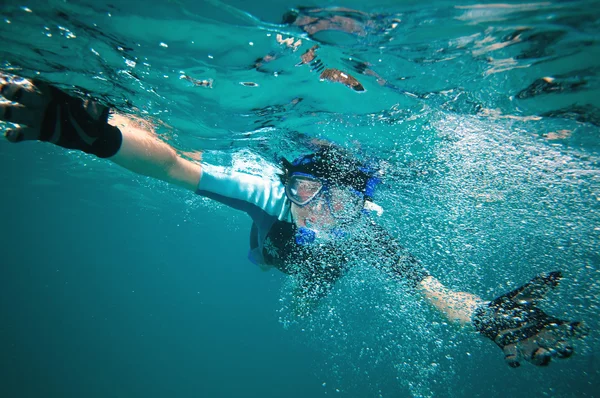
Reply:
x=319, y=176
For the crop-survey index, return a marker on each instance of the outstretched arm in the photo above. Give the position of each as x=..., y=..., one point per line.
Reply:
x=144, y=153
x=401, y=265
x=456, y=306
x=45, y=113
x=513, y=321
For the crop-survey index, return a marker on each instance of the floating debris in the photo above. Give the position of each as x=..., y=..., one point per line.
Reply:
x=309, y=55
x=198, y=83
x=289, y=42
x=336, y=75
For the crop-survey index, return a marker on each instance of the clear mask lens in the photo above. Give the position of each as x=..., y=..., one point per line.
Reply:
x=344, y=203
x=301, y=188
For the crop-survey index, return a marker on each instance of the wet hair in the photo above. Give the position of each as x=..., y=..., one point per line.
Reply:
x=336, y=166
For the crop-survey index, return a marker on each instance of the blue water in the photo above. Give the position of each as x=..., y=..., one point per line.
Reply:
x=114, y=285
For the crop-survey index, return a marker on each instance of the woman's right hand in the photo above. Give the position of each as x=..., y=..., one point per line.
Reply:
x=26, y=108
x=46, y=113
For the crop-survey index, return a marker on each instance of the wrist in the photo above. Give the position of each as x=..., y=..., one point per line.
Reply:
x=108, y=143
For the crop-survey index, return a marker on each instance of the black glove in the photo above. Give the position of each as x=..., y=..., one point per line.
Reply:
x=522, y=330
x=46, y=113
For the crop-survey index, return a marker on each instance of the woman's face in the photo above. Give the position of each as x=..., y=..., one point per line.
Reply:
x=331, y=208
x=314, y=215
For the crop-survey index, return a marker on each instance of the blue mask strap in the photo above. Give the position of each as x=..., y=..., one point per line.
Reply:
x=371, y=185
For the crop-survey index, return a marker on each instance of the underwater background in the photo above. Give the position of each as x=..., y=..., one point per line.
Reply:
x=486, y=117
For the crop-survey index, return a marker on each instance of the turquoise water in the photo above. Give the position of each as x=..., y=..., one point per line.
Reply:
x=114, y=285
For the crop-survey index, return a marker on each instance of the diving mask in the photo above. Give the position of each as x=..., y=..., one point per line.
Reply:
x=343, y=202
x=301, y=188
